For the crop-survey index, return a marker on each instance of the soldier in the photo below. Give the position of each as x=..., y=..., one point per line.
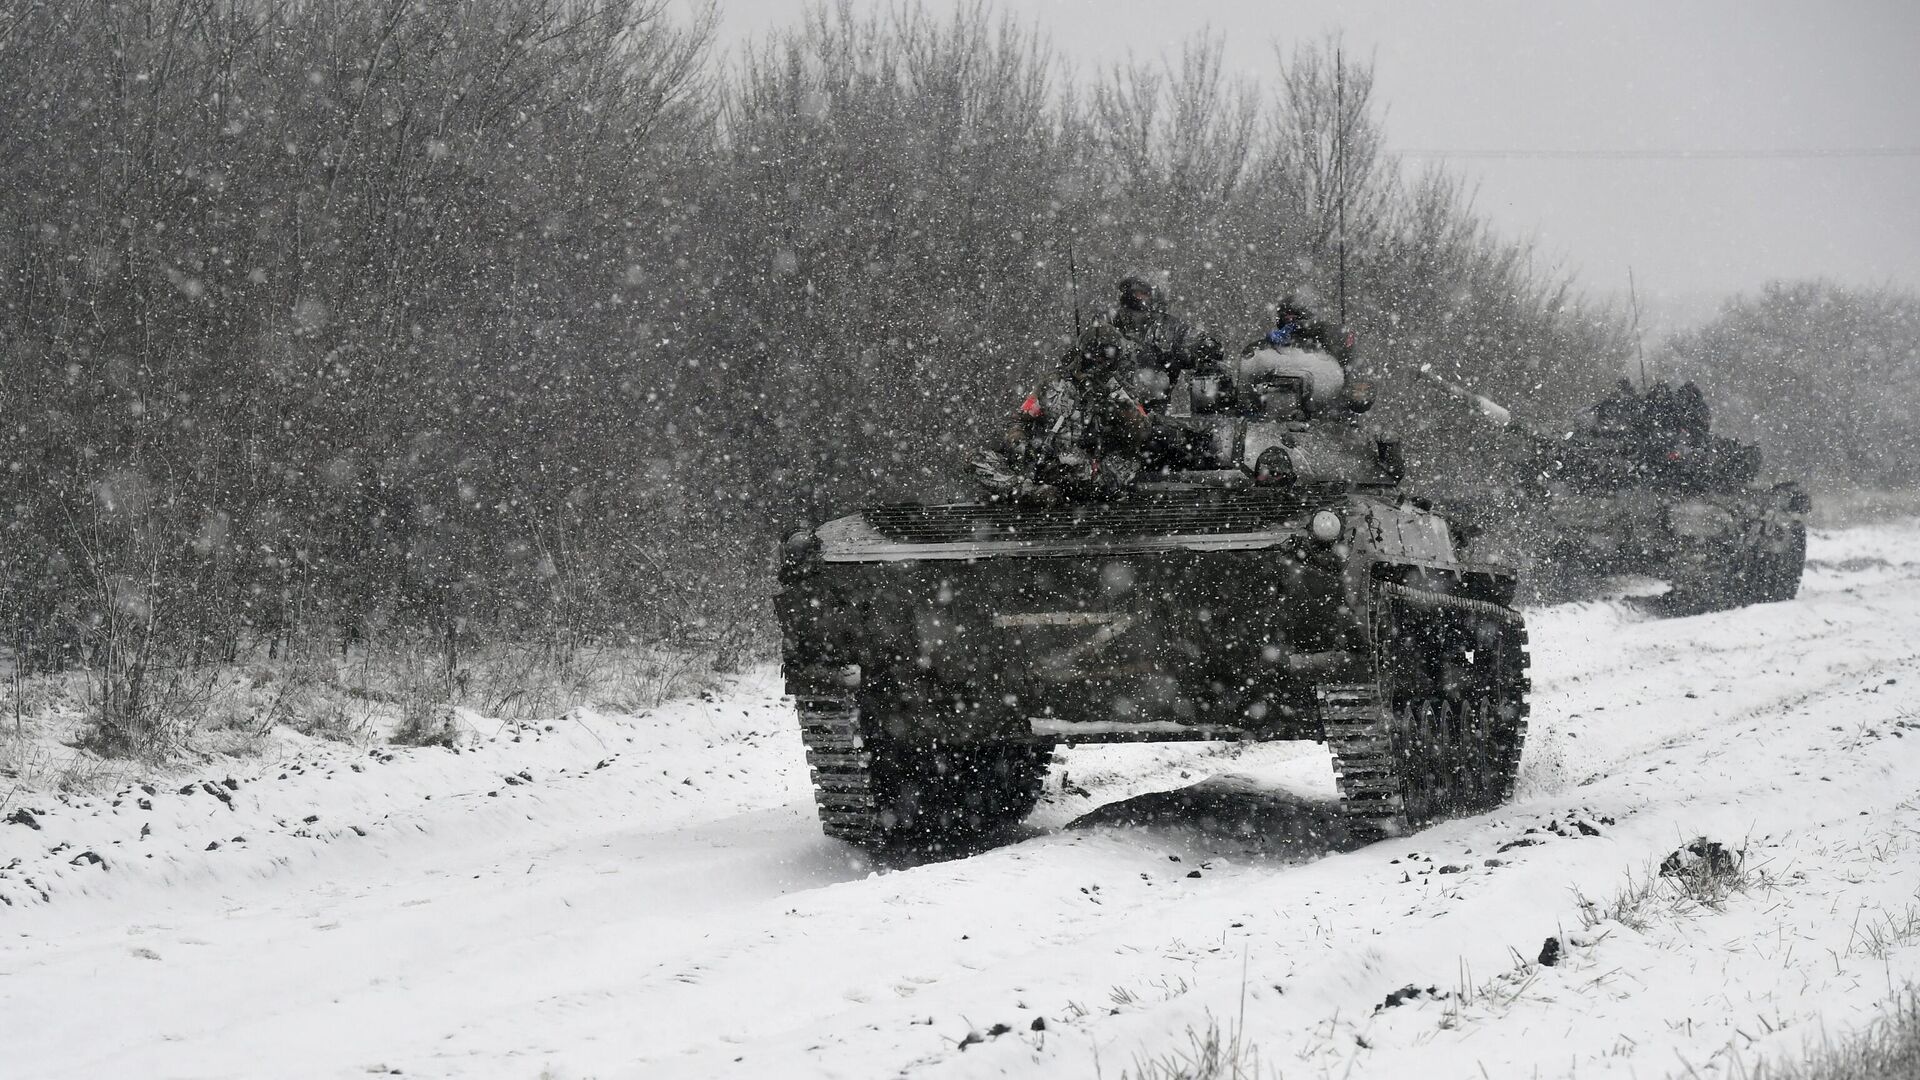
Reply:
x=1079, y=436
x=1165, y=344
x=1673, y=430
x=1691, y=417
x=1661, y=432
x=1295, y=326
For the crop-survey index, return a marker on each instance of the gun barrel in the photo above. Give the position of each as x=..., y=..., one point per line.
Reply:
x=1488, y=408
x=1485, y=406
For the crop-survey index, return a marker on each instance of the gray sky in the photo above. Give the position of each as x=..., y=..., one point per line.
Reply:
x=1646, y=77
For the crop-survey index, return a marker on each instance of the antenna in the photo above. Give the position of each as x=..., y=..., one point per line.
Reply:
x=1633, y=298
x=1073, y=279
x=1340, y=169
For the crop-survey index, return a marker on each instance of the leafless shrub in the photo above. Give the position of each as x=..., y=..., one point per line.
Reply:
x=424, y=688
x=427, y=724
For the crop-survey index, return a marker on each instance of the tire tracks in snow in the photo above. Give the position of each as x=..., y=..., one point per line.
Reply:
x=745, y=943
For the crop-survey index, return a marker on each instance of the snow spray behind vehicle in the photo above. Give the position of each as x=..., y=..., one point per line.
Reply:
x=1264, y=579
x=1642, y=487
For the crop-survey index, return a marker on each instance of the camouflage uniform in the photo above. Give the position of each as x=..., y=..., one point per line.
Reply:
x=1165, y=345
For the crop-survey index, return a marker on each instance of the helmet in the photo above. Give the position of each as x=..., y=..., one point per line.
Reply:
x=1289, y=310
x=1137, y=293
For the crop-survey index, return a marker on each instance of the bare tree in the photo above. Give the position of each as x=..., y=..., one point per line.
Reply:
x=516, y=319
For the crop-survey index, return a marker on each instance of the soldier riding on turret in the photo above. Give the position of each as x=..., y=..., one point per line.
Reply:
x=1165, y=346
x=1662, y=430
x=1297, y=326
x=1081, y=435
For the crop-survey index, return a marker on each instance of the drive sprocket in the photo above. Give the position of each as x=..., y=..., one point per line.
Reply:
x=874, y=792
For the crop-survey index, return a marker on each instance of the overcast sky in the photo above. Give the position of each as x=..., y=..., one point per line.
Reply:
x=1642, y=78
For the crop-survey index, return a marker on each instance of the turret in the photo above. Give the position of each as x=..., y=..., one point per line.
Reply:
x=1279, y=417
x=1656, y=438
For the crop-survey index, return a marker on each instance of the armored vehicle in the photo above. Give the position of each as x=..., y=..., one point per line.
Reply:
x=1640, y=486
x=1266, y=580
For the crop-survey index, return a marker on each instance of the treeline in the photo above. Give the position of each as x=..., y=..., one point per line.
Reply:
x=509, y=318
x=1822, y=376
x=337, y=314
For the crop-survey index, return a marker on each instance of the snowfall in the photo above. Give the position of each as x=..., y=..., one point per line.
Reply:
x=649, y=895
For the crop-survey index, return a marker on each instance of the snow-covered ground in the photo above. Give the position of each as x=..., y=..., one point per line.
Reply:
x=649, y=895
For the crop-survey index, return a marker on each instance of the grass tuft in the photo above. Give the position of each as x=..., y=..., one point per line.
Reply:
x=1888, y=1049
x=1209, y=1055
x=1703, y=876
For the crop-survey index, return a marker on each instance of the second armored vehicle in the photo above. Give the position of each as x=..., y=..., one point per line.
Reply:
x=1641, y=487
x=1271, y=583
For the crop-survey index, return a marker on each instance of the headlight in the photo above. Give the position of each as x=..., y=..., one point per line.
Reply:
x=1326, y=526
x=800, y=552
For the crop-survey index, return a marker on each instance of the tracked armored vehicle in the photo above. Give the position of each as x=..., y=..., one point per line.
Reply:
x=1269, y=582
x=1641, y=487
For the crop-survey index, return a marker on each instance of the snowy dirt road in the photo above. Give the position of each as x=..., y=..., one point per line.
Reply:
x=650, y=896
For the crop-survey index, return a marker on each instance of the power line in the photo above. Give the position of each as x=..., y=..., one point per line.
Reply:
x=1808, y=153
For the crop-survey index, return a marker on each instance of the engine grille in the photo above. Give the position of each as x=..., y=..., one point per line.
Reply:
x=1183, y=514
